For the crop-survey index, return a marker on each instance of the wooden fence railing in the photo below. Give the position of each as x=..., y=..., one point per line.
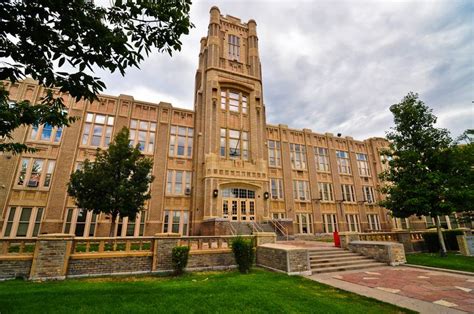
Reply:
x=17, y=247
x=111, y=245
x=209, y=242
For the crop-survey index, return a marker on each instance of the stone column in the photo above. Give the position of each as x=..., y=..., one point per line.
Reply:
x=51, y=257
x=162, y=252
x=405, y=239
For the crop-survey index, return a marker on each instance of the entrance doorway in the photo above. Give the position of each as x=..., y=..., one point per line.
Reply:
x=238, y=204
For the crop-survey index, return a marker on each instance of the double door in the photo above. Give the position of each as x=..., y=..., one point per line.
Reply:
x=238, y=209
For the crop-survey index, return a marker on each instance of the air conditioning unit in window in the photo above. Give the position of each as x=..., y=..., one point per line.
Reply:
x=32, y=184
x=275, y=197
x=187, y=191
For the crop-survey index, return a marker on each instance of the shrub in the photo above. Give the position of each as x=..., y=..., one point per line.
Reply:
x=432, y=243
x=179, y=259
x=243, y=253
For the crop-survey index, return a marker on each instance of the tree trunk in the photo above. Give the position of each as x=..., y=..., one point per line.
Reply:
x=442, y=251
x=112, y=225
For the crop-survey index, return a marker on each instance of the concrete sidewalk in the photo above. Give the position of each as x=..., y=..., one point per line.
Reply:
x=424, y=291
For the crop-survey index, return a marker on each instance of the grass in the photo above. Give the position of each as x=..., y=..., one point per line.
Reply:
x=215, y=292
x=452, y=261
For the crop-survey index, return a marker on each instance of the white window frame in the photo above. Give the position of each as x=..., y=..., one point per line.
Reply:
x=276, y=189
x=172, y=182
x=234, y=47
x=45, y=176
x=321, y=156
x=137, y=128
x=298, y=156
x=239, y=151
x=34, y=222
x=71, y=221
x=343, y=162
x=353, y=222
x=301, y=225
x=92, y=120
x=369, y=196
x=374, y=221
x=330, y=223
x=183, y=224
x=181, y=133
x=348, y=193
x=138, y=225
x=274, y=153
x=363, y=164
x=301, y=190
x=36, y=133
x=326, y=192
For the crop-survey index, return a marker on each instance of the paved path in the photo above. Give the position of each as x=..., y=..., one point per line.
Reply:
x=425, y=291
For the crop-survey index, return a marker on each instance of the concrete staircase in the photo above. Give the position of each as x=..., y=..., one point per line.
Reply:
x=335, y=259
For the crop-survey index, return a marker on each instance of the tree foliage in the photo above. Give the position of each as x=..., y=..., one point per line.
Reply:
x=60, y=43
x=428, y=175
x=115, y=183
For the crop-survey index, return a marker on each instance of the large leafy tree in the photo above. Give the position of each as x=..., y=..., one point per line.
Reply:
x=115, y=183
x=60, y=43
x=428, y=174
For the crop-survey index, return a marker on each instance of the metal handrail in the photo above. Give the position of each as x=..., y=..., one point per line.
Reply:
x=280, y=228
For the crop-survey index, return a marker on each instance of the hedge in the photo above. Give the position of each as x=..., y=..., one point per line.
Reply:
x=244, y=253
x=432, y=243
x=179, y=258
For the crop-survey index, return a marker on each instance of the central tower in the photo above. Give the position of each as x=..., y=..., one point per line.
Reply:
x=231, y=175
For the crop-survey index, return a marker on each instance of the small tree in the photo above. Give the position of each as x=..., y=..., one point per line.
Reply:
x=179, y=259
x=116, y=183
x=428, y=174
x=244, y=254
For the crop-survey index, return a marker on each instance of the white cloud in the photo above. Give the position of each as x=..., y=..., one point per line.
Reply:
x=335, y=66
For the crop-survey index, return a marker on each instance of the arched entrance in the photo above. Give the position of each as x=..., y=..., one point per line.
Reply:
x=238, y=204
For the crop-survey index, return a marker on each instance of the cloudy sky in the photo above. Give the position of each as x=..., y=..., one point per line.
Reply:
x=335, y=66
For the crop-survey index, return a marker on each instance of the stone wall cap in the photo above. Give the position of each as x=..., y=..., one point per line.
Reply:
x=282, y=247
x=56, y=236
x=168, y=235
x=387, y=243
x=264, y=233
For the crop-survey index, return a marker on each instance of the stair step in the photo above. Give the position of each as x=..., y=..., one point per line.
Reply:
x=327, y=251
x=338, y=259
x=326, y=256
x=347, y=267
x=340, y=263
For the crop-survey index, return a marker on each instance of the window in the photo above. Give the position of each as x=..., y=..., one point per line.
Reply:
x=234, y=101
x=128, y=228
x=35, y=172
x=234, y=47
x=176, y=221
x=303, y=223
x=274, y=154
x=46, y=132
x=343, y=163
x=80, y=222
x=330, y=223
x=234, y=144
x=23, y=222
x=181, y=141
x=384, y=161
x=348, y=193
x=353, y=223
x=325, y=192
x=363, y=165
x=368, y=192
x=278, y=216
x=97, y=130
x=401, y=223
x=301, y=190
x=374, y=222
x=321, y=156
x=178, y=182
x=143, y=134
x=276, y=188
x=298, y=156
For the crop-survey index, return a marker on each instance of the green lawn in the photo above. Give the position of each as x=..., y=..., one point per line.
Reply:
x=216, y=292
x=453, y=261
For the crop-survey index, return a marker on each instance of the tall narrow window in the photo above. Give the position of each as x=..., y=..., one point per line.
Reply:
x=374, y=222
x=80, y=222
x=301, y=190
x=321, y=155
x=178, y=182
x=325, y=192
x=330, y=223
x=353, y=222
x=298, y=156
x=143, y=134
x=23, y=169
x=23, y=222
x=234, y=47
x=181, y=141
x=34, y=176
x=368, y=194
x=46, y=133
x=97, y=130
x=343, y=163
x=176, y=221
x=363, y=165
x=274, y=154
x=276, y=188
x=348, y=194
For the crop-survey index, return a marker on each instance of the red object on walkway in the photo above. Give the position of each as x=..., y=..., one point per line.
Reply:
x=337, y=240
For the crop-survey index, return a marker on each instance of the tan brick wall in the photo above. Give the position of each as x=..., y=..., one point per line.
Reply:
x=111, y=265
x=210, y=260
x=14, y=268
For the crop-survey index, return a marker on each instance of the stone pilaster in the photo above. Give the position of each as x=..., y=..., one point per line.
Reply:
x=51, y=257
x=162, y=253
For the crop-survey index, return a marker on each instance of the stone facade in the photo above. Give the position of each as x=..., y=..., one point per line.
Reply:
x=14, y=268
x=231, y=164
x=51, y=257
x=388, y=252
x=109, y=265
x=211, y=260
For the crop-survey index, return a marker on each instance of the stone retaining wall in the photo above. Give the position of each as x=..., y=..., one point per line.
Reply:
x=391, y=253
x=15, y=268
x=291, y=260
x=103, y=265
x=211, y=260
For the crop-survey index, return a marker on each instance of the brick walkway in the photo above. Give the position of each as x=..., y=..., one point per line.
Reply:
x=428, y=290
